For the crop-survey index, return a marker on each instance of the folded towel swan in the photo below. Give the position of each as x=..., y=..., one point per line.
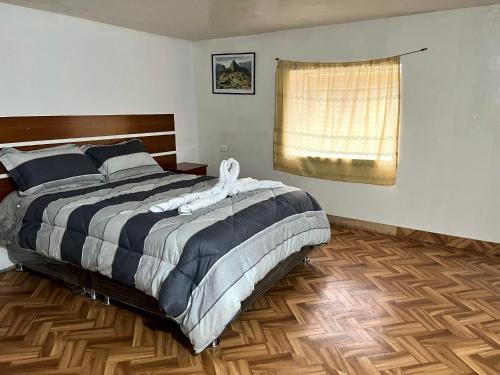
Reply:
x=228, y=185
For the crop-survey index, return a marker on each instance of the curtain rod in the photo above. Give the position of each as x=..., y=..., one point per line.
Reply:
x=403, y=54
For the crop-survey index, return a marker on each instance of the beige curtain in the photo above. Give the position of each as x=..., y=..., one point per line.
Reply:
x=338, y=121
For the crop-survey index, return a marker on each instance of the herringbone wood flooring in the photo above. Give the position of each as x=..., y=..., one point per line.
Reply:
x=366, y=304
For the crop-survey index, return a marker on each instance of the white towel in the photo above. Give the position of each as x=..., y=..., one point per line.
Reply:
x=228, y=174
x=189, y=208
x=169, y=205
x=228, y=185
x=241, y=186
x=231, y=171
x=249, y=184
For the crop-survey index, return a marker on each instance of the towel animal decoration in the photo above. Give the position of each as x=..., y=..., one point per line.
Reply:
x=228, y=185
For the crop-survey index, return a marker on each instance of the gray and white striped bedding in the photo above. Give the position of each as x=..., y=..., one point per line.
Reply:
x=200, y=267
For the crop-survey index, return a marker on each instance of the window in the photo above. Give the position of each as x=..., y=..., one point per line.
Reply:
x=338, y=121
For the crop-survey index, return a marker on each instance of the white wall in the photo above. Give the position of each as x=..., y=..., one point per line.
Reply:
x=52, y=64
x=449, y=175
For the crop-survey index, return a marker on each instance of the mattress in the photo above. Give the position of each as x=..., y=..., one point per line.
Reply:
x=200, y=267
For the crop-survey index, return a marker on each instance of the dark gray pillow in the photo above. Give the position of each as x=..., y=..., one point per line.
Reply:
x=49, y=168
x=122, y=160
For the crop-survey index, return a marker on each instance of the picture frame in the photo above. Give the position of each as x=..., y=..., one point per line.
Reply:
x=233, y=73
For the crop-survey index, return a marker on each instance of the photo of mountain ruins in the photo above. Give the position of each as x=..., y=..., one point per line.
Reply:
x=233, y=74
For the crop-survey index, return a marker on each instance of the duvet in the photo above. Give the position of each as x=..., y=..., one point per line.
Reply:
x=200, y=267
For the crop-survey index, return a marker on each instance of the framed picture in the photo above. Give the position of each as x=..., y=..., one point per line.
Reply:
x=233, y=73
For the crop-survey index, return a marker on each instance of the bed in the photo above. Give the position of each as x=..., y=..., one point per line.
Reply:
x=199, y=270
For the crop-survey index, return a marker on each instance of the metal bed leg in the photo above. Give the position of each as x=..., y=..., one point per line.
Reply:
x=215, y=343
x=76, y=289
x=19, y=267
x=306, y=258
x=92, y=294
x=105, y=300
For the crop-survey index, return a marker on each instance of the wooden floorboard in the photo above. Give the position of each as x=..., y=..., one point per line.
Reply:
x=366, y=304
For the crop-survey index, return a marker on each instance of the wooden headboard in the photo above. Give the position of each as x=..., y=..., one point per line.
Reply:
x=157, y=132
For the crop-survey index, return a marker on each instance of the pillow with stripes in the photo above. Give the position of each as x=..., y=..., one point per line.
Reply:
x=122, y=160
x=49, y=168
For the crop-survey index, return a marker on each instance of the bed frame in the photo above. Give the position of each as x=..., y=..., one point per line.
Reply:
x=157, y=132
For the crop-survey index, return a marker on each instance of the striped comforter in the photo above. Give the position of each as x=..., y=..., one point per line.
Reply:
x=200, y=267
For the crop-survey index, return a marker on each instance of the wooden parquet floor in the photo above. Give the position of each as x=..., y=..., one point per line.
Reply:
x=366, y=304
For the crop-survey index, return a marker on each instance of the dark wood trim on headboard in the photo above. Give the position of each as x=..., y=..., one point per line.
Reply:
x=43, y=128
x=14, y=130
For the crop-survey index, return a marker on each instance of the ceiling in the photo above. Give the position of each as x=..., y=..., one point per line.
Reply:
x=208, y=19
